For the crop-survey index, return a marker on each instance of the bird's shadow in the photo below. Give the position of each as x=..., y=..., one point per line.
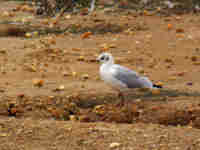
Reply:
x=100, y=28
x=132, y=96
x=164, y=93
x=161, y=95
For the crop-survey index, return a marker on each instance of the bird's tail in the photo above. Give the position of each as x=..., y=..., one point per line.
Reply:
x=157, y=86
x=148, y=84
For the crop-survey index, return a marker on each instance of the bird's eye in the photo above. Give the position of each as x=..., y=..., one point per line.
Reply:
x=103, y=57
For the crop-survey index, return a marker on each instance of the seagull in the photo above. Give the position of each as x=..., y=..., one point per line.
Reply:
x=121, y=78
x=92, y=5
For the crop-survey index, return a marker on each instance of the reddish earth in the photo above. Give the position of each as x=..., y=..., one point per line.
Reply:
x=52, y=97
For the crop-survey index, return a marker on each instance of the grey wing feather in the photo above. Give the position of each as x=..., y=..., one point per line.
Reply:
x=127, y=76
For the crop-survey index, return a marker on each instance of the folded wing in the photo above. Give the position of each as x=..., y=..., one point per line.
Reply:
x=130, y=78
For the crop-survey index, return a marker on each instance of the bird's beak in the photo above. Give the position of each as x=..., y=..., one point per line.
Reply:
x=98, y=61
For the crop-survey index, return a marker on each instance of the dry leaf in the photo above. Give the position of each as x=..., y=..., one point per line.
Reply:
x=169, y=26
x=86, y=35
x=179, y=30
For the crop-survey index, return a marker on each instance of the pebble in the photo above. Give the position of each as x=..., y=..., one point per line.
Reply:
x=61, y=87
x=73, y=118
x=28, y=35
x=189, y=83
x=194, y=58
x=65, y=73
x=85, y=76
x=114, y=145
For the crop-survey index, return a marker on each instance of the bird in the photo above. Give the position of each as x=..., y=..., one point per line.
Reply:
x=92, y=5
x=121, y=78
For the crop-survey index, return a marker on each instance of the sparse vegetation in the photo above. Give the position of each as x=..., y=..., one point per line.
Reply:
x=51, y=96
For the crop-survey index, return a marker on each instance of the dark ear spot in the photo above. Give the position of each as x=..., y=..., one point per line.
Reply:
x=107, y=58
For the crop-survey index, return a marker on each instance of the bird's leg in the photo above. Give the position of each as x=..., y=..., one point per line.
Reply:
x=92, y=6
x=121, y=97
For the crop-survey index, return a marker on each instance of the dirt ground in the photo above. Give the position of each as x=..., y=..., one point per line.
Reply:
x=52, y=96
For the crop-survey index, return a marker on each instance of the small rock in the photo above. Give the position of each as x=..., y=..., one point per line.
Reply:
x=84, y=118
x=73, y=118
x=112, y=46
x=194, y=58
x=178, y=18
x=76, y=49
x=190, y=37
x=99, y=109
x=180, y=30
x=189, y=83
x=3, y=134
x=74, y=74
x=35, y=33
x=146, y=13
x=28, y=35
x=196, y=63
x=81, y=58
x=32, y=68
x=114, y=145
x=5, y=14
x=169, y=60
x=68, y=17
x=172, y=78
x=85, y=76
x=181, y=73
x=138, y=100
x=45, y=21
x=141, y=70
x=3, y=51
x=137, y=42
x=61, y=87
x=65, y=73
x=104, y=47
x=20, y=95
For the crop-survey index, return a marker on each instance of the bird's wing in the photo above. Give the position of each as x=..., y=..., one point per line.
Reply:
x=130, y=77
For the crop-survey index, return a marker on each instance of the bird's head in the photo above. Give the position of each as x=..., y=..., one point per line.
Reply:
x=105, y=58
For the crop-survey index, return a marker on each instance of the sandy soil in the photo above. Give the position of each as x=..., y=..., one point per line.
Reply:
x=52, y=96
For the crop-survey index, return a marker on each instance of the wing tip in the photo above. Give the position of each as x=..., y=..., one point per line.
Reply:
x=157, y=86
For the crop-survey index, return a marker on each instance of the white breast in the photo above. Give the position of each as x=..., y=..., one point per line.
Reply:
x=107, y=76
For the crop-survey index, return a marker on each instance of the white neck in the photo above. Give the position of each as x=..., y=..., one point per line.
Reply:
x=107, y=64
